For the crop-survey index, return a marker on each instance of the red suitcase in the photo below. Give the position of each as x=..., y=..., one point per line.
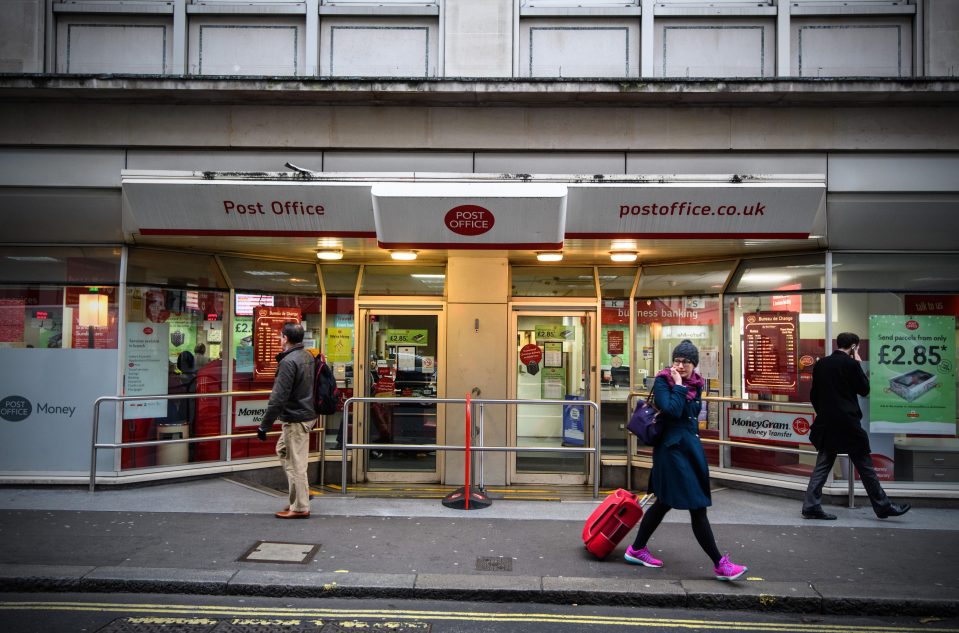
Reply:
x=611, y=521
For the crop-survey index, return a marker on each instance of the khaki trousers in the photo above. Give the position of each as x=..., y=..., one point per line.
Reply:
x=293, y=449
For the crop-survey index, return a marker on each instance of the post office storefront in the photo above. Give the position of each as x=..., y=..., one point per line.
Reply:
x=180, y=304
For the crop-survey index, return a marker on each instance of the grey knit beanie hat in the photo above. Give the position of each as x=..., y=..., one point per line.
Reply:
x=687, y=350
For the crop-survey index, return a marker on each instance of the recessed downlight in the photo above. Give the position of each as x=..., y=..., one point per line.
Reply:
x=553, y=256
x=403, y=256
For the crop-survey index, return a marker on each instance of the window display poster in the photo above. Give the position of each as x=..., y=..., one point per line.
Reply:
x=146, y=370
x=406, y=358
x=708, y=361
x=912, y=382
x=267, y=323
x=339, y=344
x=615, y=342
x=770, y=348
x=12, y=320
x=407, y=337
x=553, y=356
x=555, y=333
x=554, y=383
x=182, y=334
x=574, y=428
x=246, y=302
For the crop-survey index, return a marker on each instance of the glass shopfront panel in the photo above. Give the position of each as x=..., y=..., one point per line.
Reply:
x=775, y=341
x=614, y=354
x=339, y=345
x=404, y=356
x=908, y=346
x=174, y=344
x=552, y=352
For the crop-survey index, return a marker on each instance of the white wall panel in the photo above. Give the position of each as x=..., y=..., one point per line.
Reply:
x=378, y=48
x=579, y=48
x=246, y=46
x=852, y=47
x=447, y=162
x=114, y=44
x=549, y=163
x=920, y=222
x=714, y=48
x=21, y=36
x=894, y=172
x=21, y=167
x=214, y=160
x=66, y=215
x=479, y=38
x=744, y=163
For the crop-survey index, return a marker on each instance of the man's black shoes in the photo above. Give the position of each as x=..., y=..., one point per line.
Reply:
x=894, y=510
x=818, y=514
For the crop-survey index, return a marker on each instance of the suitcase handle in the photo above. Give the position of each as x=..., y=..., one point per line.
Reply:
x=599, y=521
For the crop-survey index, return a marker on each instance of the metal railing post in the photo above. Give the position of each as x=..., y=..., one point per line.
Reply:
x=93, y=444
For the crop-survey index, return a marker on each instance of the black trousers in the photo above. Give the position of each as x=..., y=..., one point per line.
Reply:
x=701, y=529
x=863, y=465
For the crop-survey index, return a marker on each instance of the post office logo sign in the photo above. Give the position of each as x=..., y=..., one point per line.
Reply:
x=469, y=219
x=15, y=408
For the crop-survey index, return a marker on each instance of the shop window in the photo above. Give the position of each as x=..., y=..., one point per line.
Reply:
x=775, y=339
x=254, y=352
x=151, y=267
x=404, y=280
x=340, y=346
x=70, y=317
x=271, y=275
x=549, y=281
x=614, y=354
x=59, y=265
x=174, y=345
x=800, y=272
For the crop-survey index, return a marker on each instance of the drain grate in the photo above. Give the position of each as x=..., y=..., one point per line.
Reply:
x=494, y=563
x=159, y=625
x=273, y=552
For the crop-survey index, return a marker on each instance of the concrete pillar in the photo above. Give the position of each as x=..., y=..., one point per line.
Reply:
x=477, y=354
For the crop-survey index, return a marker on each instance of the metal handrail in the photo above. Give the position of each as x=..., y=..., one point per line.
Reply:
x=635, y=395
x=595, y=450
x=188, y=440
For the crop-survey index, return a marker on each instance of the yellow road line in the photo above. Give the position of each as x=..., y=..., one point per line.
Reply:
x=302, y=613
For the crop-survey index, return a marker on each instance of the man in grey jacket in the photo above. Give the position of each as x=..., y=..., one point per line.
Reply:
x=292, y=404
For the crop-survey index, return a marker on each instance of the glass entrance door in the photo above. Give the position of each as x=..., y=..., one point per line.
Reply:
x=551, y=362
x=402, y=356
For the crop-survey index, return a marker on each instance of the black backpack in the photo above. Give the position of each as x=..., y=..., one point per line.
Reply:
x=325, y=394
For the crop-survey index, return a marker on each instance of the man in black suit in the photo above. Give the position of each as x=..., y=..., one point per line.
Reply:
x=837, y=380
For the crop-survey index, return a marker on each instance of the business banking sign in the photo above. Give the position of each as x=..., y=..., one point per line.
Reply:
x=411, y=211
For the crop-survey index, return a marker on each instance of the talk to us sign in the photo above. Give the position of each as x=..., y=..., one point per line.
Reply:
x=912, y=378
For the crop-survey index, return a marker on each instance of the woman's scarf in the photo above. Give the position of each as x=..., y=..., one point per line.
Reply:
x=694, y=383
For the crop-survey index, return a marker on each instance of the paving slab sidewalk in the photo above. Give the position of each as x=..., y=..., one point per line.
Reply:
x=190, y=536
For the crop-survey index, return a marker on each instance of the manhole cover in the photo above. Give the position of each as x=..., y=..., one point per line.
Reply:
x=273, y=552
x=494, y=563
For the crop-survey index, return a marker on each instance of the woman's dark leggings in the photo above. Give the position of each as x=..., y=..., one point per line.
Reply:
x=701, y=529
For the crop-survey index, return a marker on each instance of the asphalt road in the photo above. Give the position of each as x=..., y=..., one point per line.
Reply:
x=171, y=613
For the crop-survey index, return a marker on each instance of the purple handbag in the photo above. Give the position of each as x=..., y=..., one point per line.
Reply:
x=644, y=423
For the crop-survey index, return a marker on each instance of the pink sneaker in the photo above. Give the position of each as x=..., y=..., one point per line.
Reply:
x=641, y=557
x=728, y=570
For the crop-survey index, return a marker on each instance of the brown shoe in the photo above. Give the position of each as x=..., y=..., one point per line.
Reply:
x=290, y=514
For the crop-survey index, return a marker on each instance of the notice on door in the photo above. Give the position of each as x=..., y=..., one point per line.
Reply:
x=267, y=323
x=769, y=352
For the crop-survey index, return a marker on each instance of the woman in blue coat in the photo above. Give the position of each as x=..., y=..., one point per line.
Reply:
x=680, y=476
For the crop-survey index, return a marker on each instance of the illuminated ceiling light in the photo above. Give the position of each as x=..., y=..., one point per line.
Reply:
x=330, y=255
x=403, y=256
x=624, y=245
x=624, y=256
x=765, y=278
x=555, y=256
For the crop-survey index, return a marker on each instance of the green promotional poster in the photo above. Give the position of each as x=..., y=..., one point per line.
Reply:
x=339, y=344
x=407, y=337
x=912, y=378
x=182, y=334
x=555, y=333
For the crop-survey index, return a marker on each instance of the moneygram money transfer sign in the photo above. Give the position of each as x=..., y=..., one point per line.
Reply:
x=912, y=378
